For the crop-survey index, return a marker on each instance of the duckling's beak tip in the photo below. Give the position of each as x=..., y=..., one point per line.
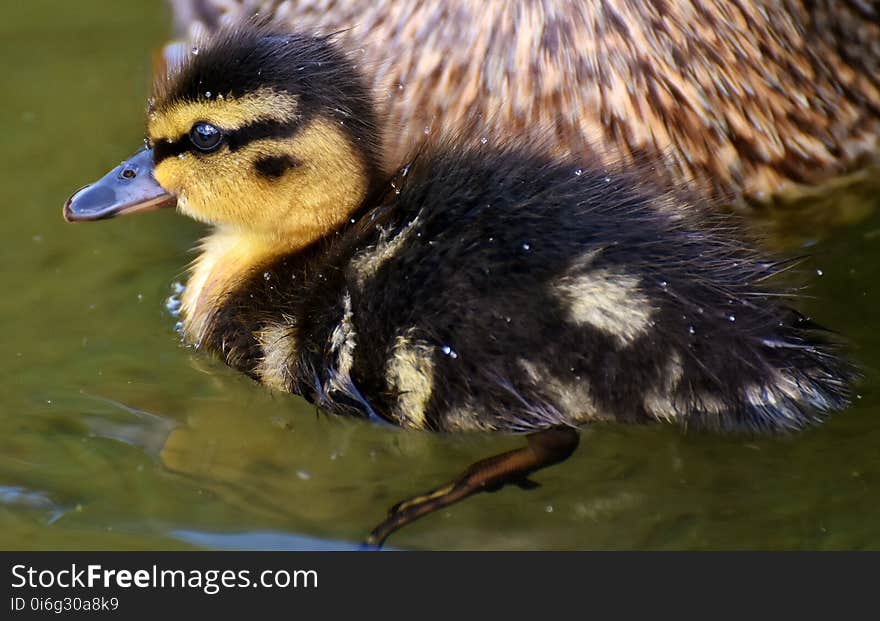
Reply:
x=67, y=212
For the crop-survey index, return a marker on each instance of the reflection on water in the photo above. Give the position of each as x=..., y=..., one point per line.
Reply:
x=260, y=541
x=112, y=435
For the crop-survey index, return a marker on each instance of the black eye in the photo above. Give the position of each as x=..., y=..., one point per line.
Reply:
x=205, y=137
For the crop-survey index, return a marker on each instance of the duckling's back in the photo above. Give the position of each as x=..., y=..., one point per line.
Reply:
x=493, y=289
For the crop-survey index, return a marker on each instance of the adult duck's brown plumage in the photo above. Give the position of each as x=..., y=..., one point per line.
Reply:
x=759, y=102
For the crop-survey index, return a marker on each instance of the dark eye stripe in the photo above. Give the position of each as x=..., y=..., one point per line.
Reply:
x=163, y=150
x=259, y=130
x=234, y=139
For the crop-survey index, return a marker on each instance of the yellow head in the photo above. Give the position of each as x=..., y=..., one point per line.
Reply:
x=260, y=133
x=270, y=134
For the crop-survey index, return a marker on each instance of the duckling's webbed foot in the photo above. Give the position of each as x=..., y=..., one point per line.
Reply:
x=544, y=448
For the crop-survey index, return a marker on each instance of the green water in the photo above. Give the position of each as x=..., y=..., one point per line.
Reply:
x=113, y=435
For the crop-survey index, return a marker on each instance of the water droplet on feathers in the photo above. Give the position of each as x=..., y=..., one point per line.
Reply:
x=446, y=349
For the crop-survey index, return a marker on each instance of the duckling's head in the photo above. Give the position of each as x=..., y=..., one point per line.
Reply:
x=266, y=133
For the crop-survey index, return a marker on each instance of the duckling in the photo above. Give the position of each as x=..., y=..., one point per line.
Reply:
x=480, y=287
x=758, y=104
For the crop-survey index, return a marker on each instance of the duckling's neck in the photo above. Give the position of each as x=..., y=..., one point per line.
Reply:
x=228, y=257
x=231, y=256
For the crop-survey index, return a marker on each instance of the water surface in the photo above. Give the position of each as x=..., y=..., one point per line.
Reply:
x=113, y=435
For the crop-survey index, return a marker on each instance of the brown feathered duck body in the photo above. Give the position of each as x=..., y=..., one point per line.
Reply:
x=758, y=103
x=484, y=285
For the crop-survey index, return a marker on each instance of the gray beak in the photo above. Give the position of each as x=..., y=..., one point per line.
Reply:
x=128, y=188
